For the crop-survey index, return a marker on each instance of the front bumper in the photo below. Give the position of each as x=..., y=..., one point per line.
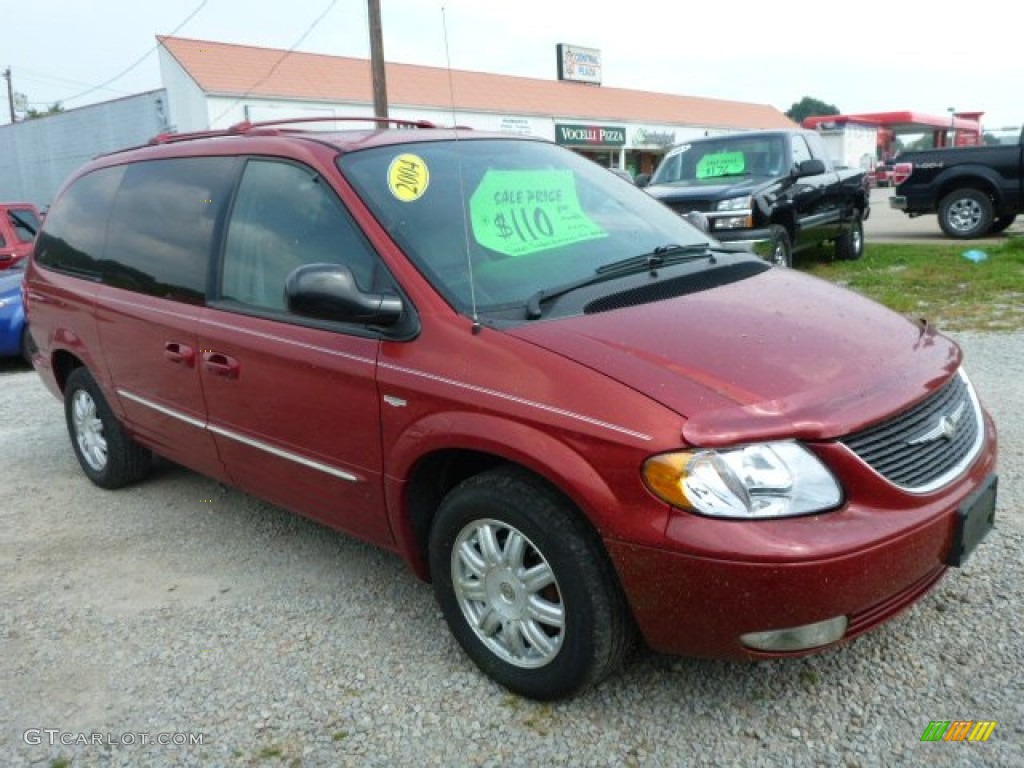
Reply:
x=716, y=581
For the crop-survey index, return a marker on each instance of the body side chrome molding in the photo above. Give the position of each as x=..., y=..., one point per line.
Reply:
x=231, y=435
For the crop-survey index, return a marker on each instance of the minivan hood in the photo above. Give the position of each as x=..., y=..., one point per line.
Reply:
x=778, y=355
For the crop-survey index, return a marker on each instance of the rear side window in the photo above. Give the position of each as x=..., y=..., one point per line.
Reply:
x=76, y=225
x=163, y=224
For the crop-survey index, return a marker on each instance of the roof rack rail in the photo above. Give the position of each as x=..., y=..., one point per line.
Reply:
x=245, y=126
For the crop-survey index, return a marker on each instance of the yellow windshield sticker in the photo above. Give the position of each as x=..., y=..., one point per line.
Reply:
x=522, y=212
x=721, y=164
x=408, y=177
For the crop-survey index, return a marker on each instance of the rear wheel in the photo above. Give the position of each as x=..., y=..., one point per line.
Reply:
x=27, y=345
x=781, y=254
x=108, y=456
x=965, y=214
x=526, y=586
x=850, y=245
x=1000, y=224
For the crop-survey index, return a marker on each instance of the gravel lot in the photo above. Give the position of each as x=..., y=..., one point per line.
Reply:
x=182, y=607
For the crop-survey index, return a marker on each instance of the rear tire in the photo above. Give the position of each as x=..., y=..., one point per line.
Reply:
x=526, y=587
x=965, y=214
x=850, y=245
x=108, y=456
x=1002, y=223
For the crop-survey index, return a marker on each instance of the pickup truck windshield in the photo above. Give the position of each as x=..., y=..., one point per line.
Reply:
x=526, y=214
x=727, y=157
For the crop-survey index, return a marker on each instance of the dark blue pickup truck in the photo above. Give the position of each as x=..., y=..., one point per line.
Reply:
x=774, y=192
x=976, y=191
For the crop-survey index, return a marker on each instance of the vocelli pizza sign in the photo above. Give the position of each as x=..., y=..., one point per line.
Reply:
x=603, y=135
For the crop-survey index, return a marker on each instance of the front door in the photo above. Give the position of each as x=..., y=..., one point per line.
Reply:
x=293, y=403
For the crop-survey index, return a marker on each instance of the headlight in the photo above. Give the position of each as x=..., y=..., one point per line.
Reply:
x=744, y=218
x=735, y=204
x=765, y=480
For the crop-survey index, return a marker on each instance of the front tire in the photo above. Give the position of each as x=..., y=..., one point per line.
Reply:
x=850, y=245
x=965, y=214
x=108, y=456
x=526, y=587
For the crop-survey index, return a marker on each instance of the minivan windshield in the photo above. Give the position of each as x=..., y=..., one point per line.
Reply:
x=730, y=156
x=528, y=216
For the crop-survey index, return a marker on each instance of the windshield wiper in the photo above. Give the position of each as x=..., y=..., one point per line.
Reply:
x=660, y=256
x=663, y=254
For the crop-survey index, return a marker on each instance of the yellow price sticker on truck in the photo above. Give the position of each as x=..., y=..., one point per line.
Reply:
x=522, y=212
x=721, y=164
x=408, y=177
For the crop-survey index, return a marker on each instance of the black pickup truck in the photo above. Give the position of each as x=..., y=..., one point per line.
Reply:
x=975, y=191
x=774, y=192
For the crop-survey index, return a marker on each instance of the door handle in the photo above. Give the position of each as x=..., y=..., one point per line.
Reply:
x=179, y=353
x=220, y=364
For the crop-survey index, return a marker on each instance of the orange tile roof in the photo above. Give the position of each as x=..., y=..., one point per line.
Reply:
x=236, y=70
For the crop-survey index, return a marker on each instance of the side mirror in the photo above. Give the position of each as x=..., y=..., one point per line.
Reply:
x=642, y=179
x=330, y=292
x=810, y=168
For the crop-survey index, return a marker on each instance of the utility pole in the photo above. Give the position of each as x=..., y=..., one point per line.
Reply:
x=380, y=86
x=10, y=93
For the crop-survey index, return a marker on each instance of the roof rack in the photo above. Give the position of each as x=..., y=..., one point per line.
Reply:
x=246, y=126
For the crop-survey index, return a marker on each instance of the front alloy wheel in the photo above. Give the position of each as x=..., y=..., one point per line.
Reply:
x=508, y=593
x=526, y=586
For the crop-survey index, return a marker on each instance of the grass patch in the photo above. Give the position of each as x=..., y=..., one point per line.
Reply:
x=936, y=282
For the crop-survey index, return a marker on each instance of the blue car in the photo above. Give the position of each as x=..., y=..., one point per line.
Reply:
x=14, y=338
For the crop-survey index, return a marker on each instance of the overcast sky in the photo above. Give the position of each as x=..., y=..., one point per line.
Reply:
x=863, y=56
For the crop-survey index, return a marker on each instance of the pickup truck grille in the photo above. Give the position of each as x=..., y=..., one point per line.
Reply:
x=928, y=445
x=685, y=206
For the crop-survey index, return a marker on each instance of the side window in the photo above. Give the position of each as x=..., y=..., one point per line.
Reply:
x=284, y=217
x=800, y=150
x=75, y=231
x=163, y=225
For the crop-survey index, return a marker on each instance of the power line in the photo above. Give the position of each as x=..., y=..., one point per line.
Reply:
x=138, y=61
x=281, y=58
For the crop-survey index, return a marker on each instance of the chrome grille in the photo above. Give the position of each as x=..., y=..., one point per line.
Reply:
x=928, y=445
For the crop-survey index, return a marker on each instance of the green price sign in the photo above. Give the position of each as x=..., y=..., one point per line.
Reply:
x=521, y=212
x=721, y=164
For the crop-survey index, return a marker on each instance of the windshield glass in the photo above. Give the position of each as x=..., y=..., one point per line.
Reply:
x=734, y=155
x=527, y=215
x=25, y=223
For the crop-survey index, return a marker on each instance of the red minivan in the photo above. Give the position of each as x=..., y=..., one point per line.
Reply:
x=575, y=414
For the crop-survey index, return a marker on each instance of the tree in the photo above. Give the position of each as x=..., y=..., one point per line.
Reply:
x=53, y=109
x=808, y=107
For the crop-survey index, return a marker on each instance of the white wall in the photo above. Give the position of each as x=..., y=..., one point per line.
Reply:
x=36, y=156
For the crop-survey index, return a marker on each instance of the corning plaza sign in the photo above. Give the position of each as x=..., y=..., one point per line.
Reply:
x=590, y=134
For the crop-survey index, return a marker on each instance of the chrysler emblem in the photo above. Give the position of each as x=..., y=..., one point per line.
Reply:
x=945, y=429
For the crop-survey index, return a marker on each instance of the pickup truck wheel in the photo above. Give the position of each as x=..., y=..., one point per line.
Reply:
x=1000, y=224
x=850, y=245
x=965, y=214
x=782, y=247
x=108, y=456
x=526, y=587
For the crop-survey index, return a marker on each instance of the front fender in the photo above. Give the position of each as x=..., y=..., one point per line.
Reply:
x=559, y=461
